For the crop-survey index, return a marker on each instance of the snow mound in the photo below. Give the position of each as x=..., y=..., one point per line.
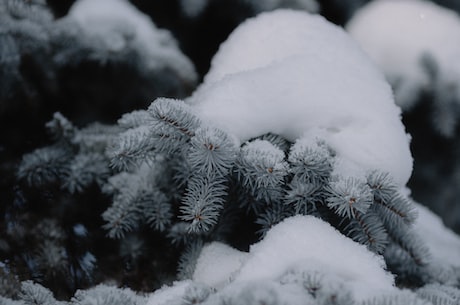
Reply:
x=119, y=25
x=295, y=74
x=300, y=243
x=444, y=244
x=400, y=35
x=216, y=264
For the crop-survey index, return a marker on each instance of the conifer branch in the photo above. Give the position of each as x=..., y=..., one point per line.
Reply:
x=212, y=152
x=133, y=147
x=261, y=169
x=348, y=197
x=174, y=123
x=44, y=166
x=203, y=202
x=368, y=230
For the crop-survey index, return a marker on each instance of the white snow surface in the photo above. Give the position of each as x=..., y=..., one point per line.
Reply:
x=297, y=75
x=299, y=243
x=216, y=264
x=168, y=295
x=398, y=33
x=118, y=23
x=444, y=244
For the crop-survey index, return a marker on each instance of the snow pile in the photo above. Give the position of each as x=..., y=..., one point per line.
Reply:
x=299, y=245
x=401, y=35
x=297, y=75
x=120, y=26
x=444, y=244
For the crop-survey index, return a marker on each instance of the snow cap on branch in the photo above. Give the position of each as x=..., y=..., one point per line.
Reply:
x=300, y=243
x=296, y=75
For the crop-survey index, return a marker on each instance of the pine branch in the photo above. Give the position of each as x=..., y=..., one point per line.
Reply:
x=132, y=147
x=410, y=244
x=84, y=170
x=303, y=196
x=61, y=128
x=311, y=162
x=95, y=138
x=196, y=293
x=135, y=119
x=174, y=123
x=35, y=294
x=272, y=215
x=122, y=216
x=397, y=213
x=399, y=298
x=44, y=166
x=212, y=151
x=348, y=197
x=157, y=211
x=104, y=294
x=368, y=229
x=203, y=201
x=261, y=169
x=439, y=294
x=276, y=140
x=189, y=258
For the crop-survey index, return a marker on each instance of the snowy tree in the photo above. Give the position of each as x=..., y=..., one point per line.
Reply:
x=417, y=49
x=280, y=180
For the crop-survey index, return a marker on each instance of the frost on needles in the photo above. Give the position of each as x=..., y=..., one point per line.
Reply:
x=283, y=124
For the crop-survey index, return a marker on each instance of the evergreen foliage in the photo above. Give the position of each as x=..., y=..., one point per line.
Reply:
x=153, y=189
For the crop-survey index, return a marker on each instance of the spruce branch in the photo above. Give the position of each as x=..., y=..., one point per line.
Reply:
x=61, y=128
x=382, y=185
x=311, y=162
x=368, y=229
x=174, y=123
x=122, y=216
x=276, y=140
x=272, y=215
x=189, y=258
x=212, y=151
x=439, y=294
x=135, y=119
x=196, y=293
x=132, y=147
x=157, y=211
x=84, y=170
x=95, y=138
x=203, y=201
x=105, y=295
x=36, y=294
x=348, y=197
x=303, y=196
x=398, y=298
x=398, y=212
x=411, y=245
x=44, y=166
x=261, y=169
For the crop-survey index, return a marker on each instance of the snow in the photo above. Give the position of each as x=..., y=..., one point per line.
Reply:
x=397, y=34
x=168, y=295
x=216, y=264
x=302, y=243
x=444, y=245
x=118, y=24
x=295, y=74
x=276, y=269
